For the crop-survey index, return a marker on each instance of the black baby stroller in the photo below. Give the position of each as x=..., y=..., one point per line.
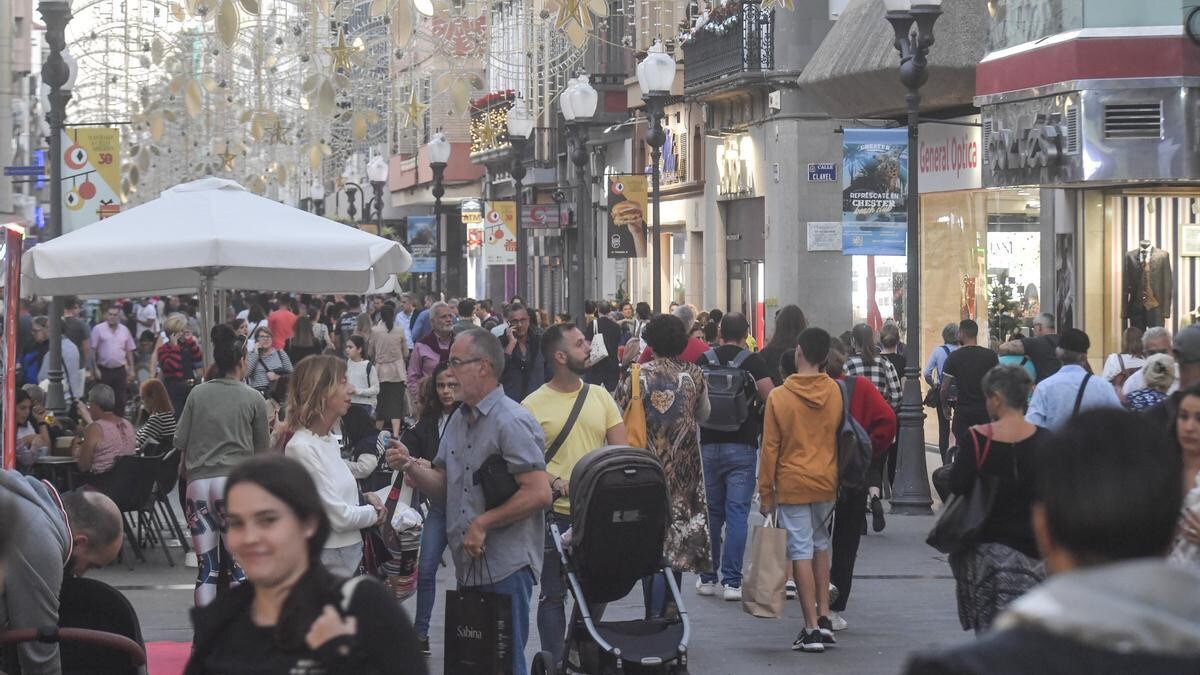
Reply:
x=619, y=517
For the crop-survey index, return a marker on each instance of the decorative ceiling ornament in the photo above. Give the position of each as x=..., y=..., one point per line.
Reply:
x=228, y=22
x=277, y=134
x=782, y=4
x=340, y=53
x=227, y=160
x=413, y=109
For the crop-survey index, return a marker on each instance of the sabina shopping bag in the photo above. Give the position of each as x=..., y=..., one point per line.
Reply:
x=478, y=633
x=766, y=571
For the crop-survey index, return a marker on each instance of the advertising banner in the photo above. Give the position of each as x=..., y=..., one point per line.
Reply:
x=91, y=174
x=543, y=216
x=500, y=233
x=423, y=244
x=874, y=189
x=627, y=200
x=472, y=218
x=11, y=255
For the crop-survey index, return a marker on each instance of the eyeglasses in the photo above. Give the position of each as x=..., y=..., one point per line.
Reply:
x=459, y=363
x=518, y=321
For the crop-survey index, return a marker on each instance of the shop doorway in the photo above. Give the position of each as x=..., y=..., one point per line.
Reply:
x=747, y=294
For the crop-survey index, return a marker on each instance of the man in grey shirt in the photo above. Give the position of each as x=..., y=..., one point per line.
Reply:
x=497, y=550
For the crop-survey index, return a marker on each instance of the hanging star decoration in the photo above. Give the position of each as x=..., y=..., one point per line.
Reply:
x=340, y=53
x=227, y=159
x=569, y=10
x=276, y=134
x=782, y=4
x=413, y=109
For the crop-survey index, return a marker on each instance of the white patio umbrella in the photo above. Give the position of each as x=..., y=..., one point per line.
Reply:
x=212, y=234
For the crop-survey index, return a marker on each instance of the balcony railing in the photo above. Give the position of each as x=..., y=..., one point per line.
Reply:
x=736, y=40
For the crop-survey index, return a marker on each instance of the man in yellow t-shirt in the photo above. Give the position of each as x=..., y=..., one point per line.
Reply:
x=599, y=423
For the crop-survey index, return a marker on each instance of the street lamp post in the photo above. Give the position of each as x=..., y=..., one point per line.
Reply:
x=439, y=156
x=656, y=74
x=578, y=104
x=316, y=195
x=910, y=493
x=377, y=173
x=520, y=126
x=59, y=76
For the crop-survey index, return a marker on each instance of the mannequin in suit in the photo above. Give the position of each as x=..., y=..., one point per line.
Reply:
x=1149, y=283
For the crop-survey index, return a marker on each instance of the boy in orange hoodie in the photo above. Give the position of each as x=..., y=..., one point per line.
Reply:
x=798, y=478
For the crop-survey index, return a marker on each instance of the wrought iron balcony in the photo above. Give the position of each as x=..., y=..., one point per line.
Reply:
x=737, y=39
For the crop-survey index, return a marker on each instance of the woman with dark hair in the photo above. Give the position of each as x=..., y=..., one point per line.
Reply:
x=318, y=396
x=1004, y=563
x=160, y=420
x=1186, y=429
x=303, y=342
x=437, y=401
x=789, y=323
x=224, y=422
x=676, y=402
x=33, y=435
x=266, y=364
x=360, y=449
x=1131, y=357
x=869, y=363
x=389, y=351
x=293, y=615
x=255, y=319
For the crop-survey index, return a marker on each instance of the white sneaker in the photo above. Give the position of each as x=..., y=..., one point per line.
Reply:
x=705, y=588
x=733, y=593
x=791, y=590
x=836, y=621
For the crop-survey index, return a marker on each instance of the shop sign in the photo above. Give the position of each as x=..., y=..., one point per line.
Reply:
x=822, y=173
x=874, y=189
x=543, y=216
x=500, y=233
x=735, y=167
x=627, y=199
x=471, y=211
x=950, y=158
x=423, y=244
x=1036, y=146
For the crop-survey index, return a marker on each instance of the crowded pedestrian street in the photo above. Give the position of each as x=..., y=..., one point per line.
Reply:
x=599, y=337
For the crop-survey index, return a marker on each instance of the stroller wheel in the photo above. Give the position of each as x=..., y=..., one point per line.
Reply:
x=543, y=664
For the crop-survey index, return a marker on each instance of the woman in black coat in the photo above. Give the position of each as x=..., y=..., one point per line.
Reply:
x=292, y=615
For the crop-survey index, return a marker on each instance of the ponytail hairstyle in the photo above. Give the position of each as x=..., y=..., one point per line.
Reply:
x=864, y=341
x=388, y=315
x=229, y=349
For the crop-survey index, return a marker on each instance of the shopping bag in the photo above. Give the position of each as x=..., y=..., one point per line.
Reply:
x=479, y=633
x=765, y=573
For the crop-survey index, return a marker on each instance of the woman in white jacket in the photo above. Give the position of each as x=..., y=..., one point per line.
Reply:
x=318, y=395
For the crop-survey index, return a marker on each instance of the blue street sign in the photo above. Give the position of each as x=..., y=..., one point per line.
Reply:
x=24, y=171
x=822, y=173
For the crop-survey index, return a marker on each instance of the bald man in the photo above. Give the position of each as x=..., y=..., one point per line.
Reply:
x=59, y=535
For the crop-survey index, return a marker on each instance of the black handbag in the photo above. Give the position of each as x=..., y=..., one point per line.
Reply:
x=498, y=484
x=964, y=516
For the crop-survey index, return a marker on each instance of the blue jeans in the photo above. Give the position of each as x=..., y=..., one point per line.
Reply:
x=729, y=486
x=433, y=545
x=518, y=586
x=552, y=612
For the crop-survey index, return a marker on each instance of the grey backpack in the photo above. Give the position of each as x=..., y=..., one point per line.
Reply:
x=728, y=392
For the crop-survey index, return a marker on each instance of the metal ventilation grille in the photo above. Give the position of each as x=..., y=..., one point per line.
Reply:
x=1133, y=120
x=1072, y=141
x=987, y=142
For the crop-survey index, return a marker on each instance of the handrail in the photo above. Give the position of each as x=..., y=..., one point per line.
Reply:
x=54, y=634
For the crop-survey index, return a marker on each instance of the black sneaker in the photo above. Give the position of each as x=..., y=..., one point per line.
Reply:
x=825, y=628
x=424, y=644
x=809, y=641
x=877, y=522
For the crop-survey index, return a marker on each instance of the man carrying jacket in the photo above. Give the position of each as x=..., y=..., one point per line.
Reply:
x=55, y=536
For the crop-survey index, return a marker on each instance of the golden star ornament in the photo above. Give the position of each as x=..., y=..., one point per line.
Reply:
x=340, y=53
x=413, y=109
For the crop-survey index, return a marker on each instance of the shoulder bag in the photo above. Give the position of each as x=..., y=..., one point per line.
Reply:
x=1079, y=396
x=569, y=425
x=599, y=348
x=964, y=516
x=933, y=397
x=635, y=412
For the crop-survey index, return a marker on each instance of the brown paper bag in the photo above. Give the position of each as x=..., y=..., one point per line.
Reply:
x=766, y=571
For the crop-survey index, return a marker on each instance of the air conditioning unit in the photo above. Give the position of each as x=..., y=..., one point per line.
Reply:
x=775, y=100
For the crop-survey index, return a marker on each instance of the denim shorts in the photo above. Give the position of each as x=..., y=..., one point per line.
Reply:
x=807, y=526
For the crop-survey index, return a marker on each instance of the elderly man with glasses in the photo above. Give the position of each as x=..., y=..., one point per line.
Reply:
x=496, y=549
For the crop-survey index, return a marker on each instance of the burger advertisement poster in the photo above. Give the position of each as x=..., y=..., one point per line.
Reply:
x=874, y=190
x=627, y=199
x=500, y=233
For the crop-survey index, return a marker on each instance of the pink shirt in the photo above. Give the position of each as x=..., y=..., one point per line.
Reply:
x=116, y=440
x=111, y=345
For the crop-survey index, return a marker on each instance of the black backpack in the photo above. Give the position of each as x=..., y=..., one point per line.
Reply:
x=854, y=444
x=728, y=394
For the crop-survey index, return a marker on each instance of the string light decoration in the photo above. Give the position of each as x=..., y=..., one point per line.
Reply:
x=489, y=122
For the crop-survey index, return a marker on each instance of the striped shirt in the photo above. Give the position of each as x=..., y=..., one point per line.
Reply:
x=257, y=367
x=161, y=425
x=881, y=373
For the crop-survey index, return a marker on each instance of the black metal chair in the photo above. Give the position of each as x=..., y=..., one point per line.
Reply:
x=93, y=604
x=130, y=484
x=167, y=478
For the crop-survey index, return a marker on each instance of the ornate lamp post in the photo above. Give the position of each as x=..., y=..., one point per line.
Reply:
x=578, y=105
x=911, y=491
x=656, y=74
x=520, y=127
x=377, y=173
x=438, y=150
x=58, y=73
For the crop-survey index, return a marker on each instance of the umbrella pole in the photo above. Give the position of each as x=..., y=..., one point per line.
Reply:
x=206, y=316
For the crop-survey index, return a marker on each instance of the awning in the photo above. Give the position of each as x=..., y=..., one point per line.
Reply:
x=855, y=72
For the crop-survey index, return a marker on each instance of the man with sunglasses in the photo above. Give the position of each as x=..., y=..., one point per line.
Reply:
x=497, y=549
